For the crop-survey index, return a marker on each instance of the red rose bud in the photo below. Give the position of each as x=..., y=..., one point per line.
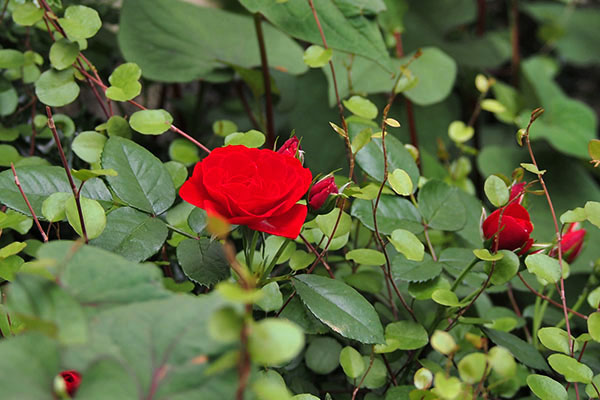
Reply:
x=72, y=380
x=572, y=243
x=320, y=191
x=517, y=191
x=291, y=147
x=515, y=228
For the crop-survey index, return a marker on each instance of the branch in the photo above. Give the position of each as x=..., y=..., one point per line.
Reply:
x=35, y=219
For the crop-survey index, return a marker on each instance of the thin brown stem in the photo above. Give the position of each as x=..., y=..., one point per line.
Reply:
x=349, y=152
x=480, y=17
x=35, y=219
x=357, y=388
x=517, y=310
x=33, y=128
x=548, y=299
x=52, y=127
x=534, y=115
x=316, y=253
x=389, y=369
x=429, y=244
x=267, y=80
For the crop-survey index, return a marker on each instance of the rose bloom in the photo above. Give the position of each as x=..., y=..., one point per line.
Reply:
x=320, y=192
x=252, y=187
x=515, y=229
x=72, y=380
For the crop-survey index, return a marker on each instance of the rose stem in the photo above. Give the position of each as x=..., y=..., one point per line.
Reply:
x=534, y=115
x=76, y=191
x=37, y=222
x=266, y=80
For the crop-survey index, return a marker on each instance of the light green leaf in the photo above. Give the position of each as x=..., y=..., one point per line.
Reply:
x=485, y=255
x=252, y=139
x=493, y=106
x=94, y=217
x=57, y=88
x=576, y=215
x=11, y=58
x=53, y=208
x=224, y=127
x=361, y=107
x=532, y=168
x=408, y=244
x=301, y=259
x=592, y=210
x=352, y=362
x=327, y=222
x=504, y=269
x=472, y=367
x=316, y=56
x=80, y=22
x=593, y=324
x=446, y=297
x=570, y=368
x=63, y=53
x=408, y=335
x=366, y=257
x=27, y=14
x=124, y=82
x=184, y=151
x=151, y=122
x=118, y=126
x=88, y=146
x=545, y=268
x=556, y=339
x=274, y=341
x=496, y=191
x=400, y=181
x=546, y=388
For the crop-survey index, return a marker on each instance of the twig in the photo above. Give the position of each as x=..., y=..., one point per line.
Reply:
x=35, y=219
x=316, y=253
x=428, y=240
x=33, y=128
x=68, y=171
x=267, y=80
x=356, y=389
x=548, y=299
x=534, y=115
x=349, y=152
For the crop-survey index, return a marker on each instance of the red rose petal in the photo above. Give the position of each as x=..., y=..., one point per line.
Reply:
x=287, y=225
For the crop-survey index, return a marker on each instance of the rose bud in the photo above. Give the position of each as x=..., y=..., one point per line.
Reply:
x=517, y=191
x=320, y=191
x=71, y=379
x=572, y=243
x=515, y=229
x=291, y=147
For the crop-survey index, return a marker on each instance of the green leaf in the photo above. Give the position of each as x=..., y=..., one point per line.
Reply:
x=203, y=39
x=443, y=342
x=505, y=268
x=392, y=213
x=8, y=134
x=590, y=390
x=366, y=257
x=275, y=341
x=576, y=215
x=352, y=362
x=323, y=355
x=22, y=378
x=272, y=299
x=415, y=271
x=361, y=107
x=87, y=174
x=570, y=368
x=104, y=376
x=301, y=259
x=496, y=191
x=360, y=140
x=532, y=168
x=11, y=58
x=316, y=56
x=593, y=324
x=556, y=339
x=472, y=367
x=8, y=155
x=9, y=267
x=27, y=14
x=400, y=181
x=132, y=234
x=178, y=172
x=345, y=28
x=224, y=127
x=88, y=146
x=57, y=88
x=441, y=206
x=370, y=158
x=493, y=106
x=151, y=122
x=594, y=149
x=252, y=139
x=593, y=298
x=63, y=53
x=124, y=82
x=522, y=350
x=502, y=362
x=118, y=126
x=445, y=297
x=99, y=278
x=327, y=222
x=8, y=97
x=203, y=261
x=53, y=208
x=408, y=244
x=143, y=181
x=545, y=268
x=184, y=152
x=12, y=249
x=39, y=182
x=80, y=22
x=592, y=210
x=408, y=335
x=546, y=388
x=485, y=255
x=340, y=307
x=94, y=217
x=436, y=73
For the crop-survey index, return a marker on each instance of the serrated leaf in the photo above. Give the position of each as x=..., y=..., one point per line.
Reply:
x=203, y=261
x=340, y=307
x=415, y=271
x=441, y=206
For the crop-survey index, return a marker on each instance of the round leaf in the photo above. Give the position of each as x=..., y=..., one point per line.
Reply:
x=408, y=244
x=124, y=82
x=459, y=132
x=593, y=324
x=56, y=88
x=401, y=183
x=27, y=14
x=184, y=151
x=352, y=362
x=546, y=388
x=80, y=22
x=275, y=341
x=504, y=269
x=496, y=191
x=545, y=268
x=408, y=334
x=94, y=217
x=252, y=138
x=88, y=146
x=570, y=368
x=361, y=107
x=316, y=56
x=151, y=122
x=323, y=355
x=63, y=53
x=53, y=208
x=472, y=367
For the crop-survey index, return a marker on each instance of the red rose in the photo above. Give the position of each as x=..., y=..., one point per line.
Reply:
x=72, y=380
x=515, y=229
x=320, y=191
x=517, y=191
x=572, y=243
x=252, y=187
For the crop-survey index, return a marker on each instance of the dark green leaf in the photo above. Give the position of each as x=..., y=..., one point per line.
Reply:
x=392, y=213
x=203, y=261
x=522, y=350
x=441, y=206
